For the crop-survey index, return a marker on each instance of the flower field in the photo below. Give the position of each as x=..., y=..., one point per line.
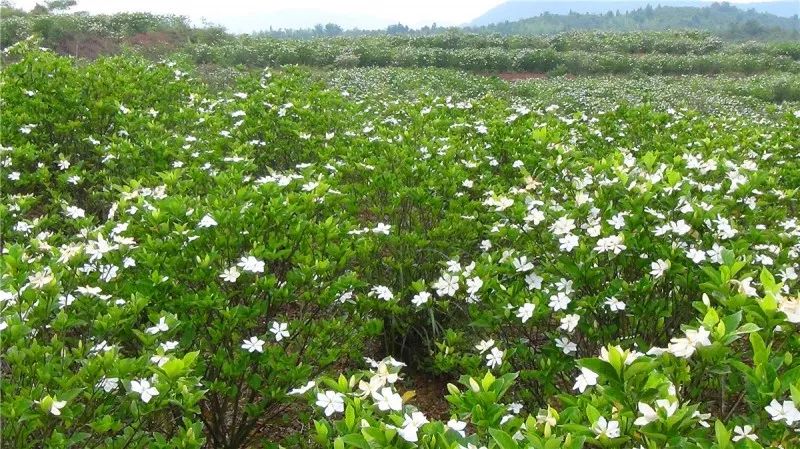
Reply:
x=285, y=261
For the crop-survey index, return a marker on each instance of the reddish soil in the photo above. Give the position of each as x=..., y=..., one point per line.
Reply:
x=86, y=46
x=520, y=76
x=91, y=46
x=429, y=394
x=515, y=76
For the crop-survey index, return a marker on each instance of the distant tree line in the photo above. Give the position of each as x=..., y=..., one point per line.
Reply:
x=723, y=19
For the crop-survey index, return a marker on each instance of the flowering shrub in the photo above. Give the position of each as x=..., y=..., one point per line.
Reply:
x=183, y=267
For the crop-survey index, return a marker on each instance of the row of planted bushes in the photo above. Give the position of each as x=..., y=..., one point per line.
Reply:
x=677, y=42
x=270, y=52
x=53, y=27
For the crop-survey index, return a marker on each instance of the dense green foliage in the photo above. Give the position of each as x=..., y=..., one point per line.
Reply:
x=186, y=268
x=555, y=50
x=576, y=53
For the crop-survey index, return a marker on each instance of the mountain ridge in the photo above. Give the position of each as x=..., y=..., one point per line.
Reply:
x=515, y=10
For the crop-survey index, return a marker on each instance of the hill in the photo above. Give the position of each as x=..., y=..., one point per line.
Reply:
x=724, y=19
x=518, y=10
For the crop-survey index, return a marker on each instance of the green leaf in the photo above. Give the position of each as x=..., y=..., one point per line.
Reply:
x=355, y=440
x=732, y=321
x=760, y=351
x=767, y=280
x=711, y=318
x=747, y=328
x=503, y=440
x=350, y=417
x=723, y=436
x=604, y=369
x=592, y=414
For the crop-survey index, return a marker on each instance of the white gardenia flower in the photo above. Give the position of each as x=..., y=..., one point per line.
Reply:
x=457, y=426
x=746, y=289
x=533, y=281
x=254, y=344
x=521, y=264
x=606, y=428
x=566, y=346
x=169, y=345
x=494, y=358
x=40, y=279
x=447, y=285
x=648, y=415
x=614, y=304
x=108, y=384
x=382, y=228
x=679, y=227
x=411, y=425
x=696, y=255
x=559, y=301
x=659, y=267
x=382, y=292
x=744, y=432
x=159, y=360
x=251, y=264
x=568, y=242
x=546, y=417
x=715, y=253
x=387, y=400
x=564, y=285
x=783, y=412
x=207, y=221
x=618, y=221
x=562, y=226
x=569, y=322
x=484, y=345
x=420, y=298
x=161, y=326
x=514, y=408
x=685, y=347
x=56, y=406
x=630, y=356
x=65, y=300
x=473, y=285
x=699, y=337
x=331, y=402
x=280, y=330
x=302, y=390
x=372, y=387
x=75, y=212
x=526, y=311
x=230, y=275
x=610, y=244
x=145, y=390
x=585, y=379
x=791, y=307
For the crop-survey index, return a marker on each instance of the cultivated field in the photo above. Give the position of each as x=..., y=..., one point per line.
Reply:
x=381, y=257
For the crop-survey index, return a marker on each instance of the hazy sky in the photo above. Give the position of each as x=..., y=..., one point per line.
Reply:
x=248, y=15
x=299, y=12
